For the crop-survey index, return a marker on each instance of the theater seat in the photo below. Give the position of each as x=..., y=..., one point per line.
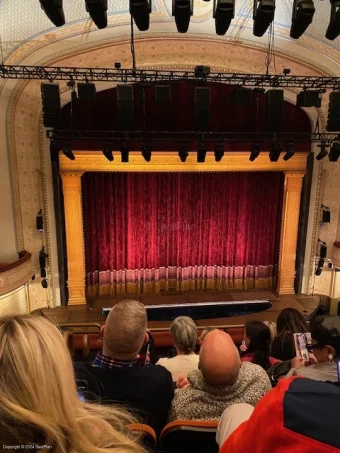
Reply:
x=148, y=435
x=186, y=436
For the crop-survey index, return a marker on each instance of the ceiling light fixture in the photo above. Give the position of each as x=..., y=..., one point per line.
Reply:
x=290, y=150
x=68, y=151
x=54, y=11
x=224, y=12
x=275, y=151
x=302, y=17
x=323, y=152
x=98, y=12
x=254, y=151
x=183, y=152
x=263, y=15
x=107, y=151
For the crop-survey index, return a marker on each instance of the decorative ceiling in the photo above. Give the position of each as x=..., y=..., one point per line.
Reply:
x=23, y=20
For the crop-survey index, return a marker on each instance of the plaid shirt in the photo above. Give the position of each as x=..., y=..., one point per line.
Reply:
x=102, y=361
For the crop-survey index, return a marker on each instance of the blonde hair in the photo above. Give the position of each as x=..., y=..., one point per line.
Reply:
x=184, y=332
x=273, y=332
x=125, y=329
x=38, y=395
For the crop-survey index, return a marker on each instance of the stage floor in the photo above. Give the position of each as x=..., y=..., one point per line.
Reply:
x=91, y=313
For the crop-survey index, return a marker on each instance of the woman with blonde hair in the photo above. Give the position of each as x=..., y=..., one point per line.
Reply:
x=184, y=333
x=39, y=405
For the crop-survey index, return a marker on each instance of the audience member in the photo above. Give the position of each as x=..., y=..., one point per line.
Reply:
x=39, y=406
x=221, y=381
x=325, y=348
x=184, y=333
x=115, y=374
x=273, y=330
x=205, y=331
x=299, y=415
x=289, y=321
x=256, y=337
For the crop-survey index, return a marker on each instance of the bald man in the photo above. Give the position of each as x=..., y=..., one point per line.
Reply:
x=221, y=381
x=115, y=376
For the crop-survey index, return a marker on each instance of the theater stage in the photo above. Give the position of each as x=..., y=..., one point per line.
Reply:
x=92, y=312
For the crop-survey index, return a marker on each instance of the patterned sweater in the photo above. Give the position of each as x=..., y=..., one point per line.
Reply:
x=202, y=401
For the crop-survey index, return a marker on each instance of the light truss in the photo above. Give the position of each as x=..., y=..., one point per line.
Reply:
x=52, y=74
x=185, y=136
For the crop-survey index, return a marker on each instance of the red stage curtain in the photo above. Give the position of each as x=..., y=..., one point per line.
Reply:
x=151, y=231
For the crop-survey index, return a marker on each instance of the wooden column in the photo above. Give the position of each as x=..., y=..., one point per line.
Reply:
x=74, y=237
x=289, y=231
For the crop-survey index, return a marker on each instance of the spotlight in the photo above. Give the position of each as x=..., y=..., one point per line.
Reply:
x=118, y=65
x=303, y=12
x=275, y=151
x=43, y=273
x=219, y=151
x=107, y=151
x=202, y=152
x=40, y=221
x=286, y=71
x=224, y=12
x=98, y=12
x=323, y=152
x=326, y=215
x=68, y=151
x=263, y=15
x=42, y=258
x=54, y=11
x=334, y=153
x=290, y=151
x=202, y=72
x=333, y=30
x=146, y=152
x=124, y=149
x=140, y=11
x=182, y=10
x=321, y=262
x=183, y=152
x=323, y=250
x=254, y=151
x=318, y=271
x=44, y=283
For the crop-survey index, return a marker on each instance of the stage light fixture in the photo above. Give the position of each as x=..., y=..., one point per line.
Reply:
x=68, y=151
x=323, y=152
x=224, y=12
x=125, y=150
x=321, y=262
x=318, y=271
x=334, y=152
x=333, y=30
x=98, y=12
x=140, y=11
x=182, y=10
x=40, y=221
x=263, y=15
x=202, y=72
x=42, y=258
x=107, y=151
x=54, y=11
x=201, y=152
x=290, y=150
x=219, y=151
x=275, y=151
x=254, y=151
x=44, y=283
x=302, y=17
x=146, y=152
x=43, y=273
x=183, y=152
x=323, y=250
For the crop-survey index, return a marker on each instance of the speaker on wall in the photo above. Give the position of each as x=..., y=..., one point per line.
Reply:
x=333, y=122
x=274, y=109
x=125, y=107
x=241, y=96
x=51, y=106
x=87, y=91
x=162, y=93
x=202, y=108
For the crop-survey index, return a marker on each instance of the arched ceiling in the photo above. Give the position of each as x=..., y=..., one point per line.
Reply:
x=22, y=21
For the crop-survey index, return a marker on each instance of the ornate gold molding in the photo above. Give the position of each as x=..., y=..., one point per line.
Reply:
x=15, y=277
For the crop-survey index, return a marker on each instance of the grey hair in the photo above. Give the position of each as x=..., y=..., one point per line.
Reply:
x=184, y=332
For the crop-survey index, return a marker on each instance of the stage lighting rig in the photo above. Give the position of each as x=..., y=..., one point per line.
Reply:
x=254, y=151
x=182, y=10
x=98, y=12
x=334, y=152
x=263, y=15
x=183, y=152
x=303, y=12
x=54, y=11
x=124, y=149
x=223, y=13
x=68, y=151
x=146, y=152
x=201, y=152
x=323, y=152
x=140, y=11
x=290, y=150
x=333, y=30
x=107, y=151
x=275, y=151
x=219, y=151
